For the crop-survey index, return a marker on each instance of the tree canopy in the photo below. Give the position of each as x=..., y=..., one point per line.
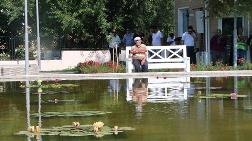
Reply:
x=229, y=7
x=86, y=18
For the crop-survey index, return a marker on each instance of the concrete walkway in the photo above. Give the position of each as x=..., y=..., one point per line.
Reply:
x=71, y=76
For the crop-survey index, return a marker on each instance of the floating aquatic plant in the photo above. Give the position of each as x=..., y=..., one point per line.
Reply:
x=248, y=108
x=34, y=129
x=41, y=91
x=65, y=101
x=76, y=124
x=72, y=130
x=70, y=114
x=52, y=86
x=220, y=96
x=211, y=88
x=39, y=82
x=97, y=126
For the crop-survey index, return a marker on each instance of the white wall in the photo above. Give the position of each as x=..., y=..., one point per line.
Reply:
x=70, y=59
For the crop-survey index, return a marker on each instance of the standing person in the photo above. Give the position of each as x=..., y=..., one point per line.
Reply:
x=171, y=40
x=157, y=37
x=241, y=47
x=218, y=45
x=249, y=44
x=114, y=41
x=189, y=39
x=156, y=40
x=128, y=38
x=139, y=55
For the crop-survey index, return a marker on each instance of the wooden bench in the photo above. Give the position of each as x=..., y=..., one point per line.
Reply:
x=163, y=57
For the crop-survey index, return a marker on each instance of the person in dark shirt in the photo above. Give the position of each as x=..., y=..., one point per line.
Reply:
x=218, y=45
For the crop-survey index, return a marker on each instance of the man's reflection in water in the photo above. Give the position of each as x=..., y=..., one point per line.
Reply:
x=139, y=94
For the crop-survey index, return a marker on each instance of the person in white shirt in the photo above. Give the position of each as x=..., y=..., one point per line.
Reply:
x=114, y=41
x=171, y=40
x=157, y=37
x=189, y=39
x=156, y=40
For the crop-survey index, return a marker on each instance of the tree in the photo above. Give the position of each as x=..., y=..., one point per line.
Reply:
x=226, y=7
x=87, y=19
x=13, y=13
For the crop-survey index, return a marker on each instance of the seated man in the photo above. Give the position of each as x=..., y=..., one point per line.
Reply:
x=139, y=55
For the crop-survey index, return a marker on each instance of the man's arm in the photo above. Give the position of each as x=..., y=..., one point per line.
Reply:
x=161, y=38
x=182, y=42
x=145, y=56
x=124, y=39
x=118, y=40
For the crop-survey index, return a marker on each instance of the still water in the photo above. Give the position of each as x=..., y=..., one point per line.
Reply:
x=160, y=109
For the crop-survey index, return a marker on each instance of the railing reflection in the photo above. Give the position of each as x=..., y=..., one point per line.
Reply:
x=158, y=89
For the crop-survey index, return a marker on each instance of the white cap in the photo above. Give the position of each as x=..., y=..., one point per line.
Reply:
x=137, y=38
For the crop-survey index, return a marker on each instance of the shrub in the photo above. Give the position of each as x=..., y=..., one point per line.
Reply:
x=245, y=66
x=4, y=56
x=96, y=67
x=219, y=66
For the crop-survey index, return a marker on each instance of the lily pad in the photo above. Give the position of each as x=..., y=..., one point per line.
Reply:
x=211, y=88
x=221, y=96
x=69, y=130
x=228, y=95
x=70, y=114
x=53, y=86
x=249, y=108
x=71, y=101
x=206, y=97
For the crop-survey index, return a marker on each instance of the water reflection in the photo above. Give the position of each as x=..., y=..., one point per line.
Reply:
x=114, y=88
x=170, y=105
x=27, y=95
x=160, y=89
x=2, y=87
x=28, y=111
x=139, y=93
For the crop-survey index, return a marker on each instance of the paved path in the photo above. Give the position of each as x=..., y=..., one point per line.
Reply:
x=69, y=76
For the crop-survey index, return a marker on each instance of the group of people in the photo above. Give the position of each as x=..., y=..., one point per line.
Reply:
x=219, y=47
x=139, y=50
x=138, y=42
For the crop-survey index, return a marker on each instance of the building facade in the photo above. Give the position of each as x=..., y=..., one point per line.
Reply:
x=191, y=12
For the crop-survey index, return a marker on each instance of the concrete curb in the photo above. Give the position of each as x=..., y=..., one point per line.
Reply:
x=67, y=76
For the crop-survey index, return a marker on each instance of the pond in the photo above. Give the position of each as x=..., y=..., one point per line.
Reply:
x=158, y=109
